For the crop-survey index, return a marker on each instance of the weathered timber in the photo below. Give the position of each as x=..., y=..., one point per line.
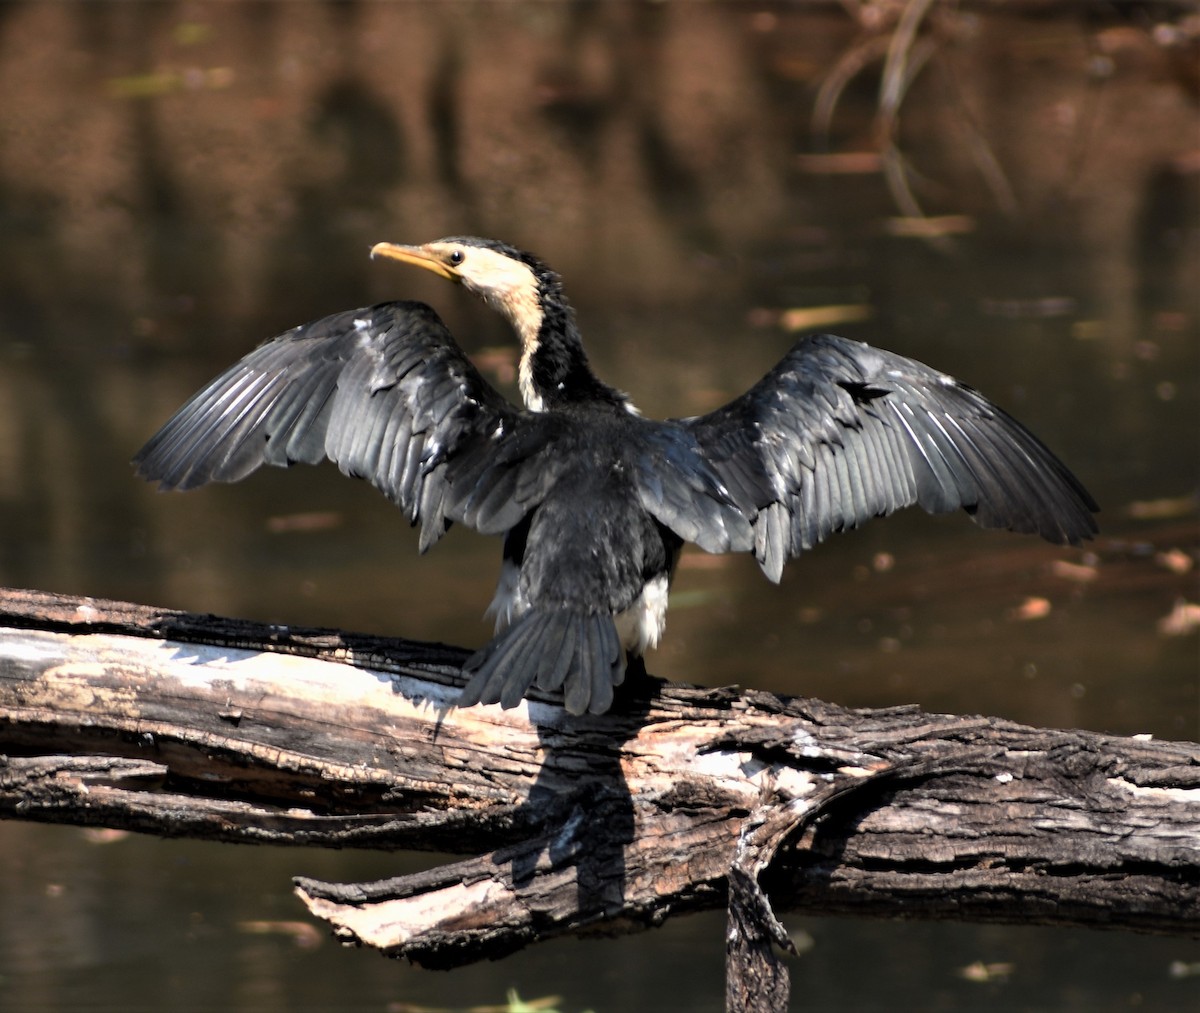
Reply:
x=679, y=799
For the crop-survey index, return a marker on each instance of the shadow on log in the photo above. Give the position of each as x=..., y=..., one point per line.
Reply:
x=680, y=799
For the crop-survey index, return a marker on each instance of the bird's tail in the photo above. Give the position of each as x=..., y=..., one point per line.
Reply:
x=579, y=652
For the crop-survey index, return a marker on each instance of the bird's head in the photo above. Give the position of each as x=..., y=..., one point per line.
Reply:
x=553, y=369
x=516, y=284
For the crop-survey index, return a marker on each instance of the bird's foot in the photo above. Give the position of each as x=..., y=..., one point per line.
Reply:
x=635, y=669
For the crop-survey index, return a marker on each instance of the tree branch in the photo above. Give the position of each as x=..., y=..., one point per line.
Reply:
x=679, y=800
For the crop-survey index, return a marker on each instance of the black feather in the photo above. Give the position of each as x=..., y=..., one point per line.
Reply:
x=580, y=652
x=839, y=432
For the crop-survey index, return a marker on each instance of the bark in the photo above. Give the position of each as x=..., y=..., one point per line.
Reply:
x=680, y=799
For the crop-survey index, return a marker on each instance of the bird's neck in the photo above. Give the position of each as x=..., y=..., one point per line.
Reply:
x=554, y=370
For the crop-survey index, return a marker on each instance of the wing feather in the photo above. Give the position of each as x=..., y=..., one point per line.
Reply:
x=681, y=489
x=384, y=393
x=839, y=432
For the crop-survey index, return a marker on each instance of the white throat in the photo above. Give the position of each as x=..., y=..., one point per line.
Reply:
x=511, y=288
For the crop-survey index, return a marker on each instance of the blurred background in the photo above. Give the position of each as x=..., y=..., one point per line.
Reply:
x=1009, y=191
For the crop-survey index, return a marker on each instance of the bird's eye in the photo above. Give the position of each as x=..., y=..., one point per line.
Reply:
x=455, y=258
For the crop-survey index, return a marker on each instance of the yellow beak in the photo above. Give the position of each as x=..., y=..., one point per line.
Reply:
x=418, y=256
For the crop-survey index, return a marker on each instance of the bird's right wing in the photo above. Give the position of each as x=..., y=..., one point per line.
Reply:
x=839, y=432
x=387, y=395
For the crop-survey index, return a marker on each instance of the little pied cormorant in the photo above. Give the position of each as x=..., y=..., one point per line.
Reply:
x=593, y=500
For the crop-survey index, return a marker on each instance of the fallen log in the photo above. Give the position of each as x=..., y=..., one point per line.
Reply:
x=680, y=799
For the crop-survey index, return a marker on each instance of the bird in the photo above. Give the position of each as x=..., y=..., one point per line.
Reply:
x=595, y=501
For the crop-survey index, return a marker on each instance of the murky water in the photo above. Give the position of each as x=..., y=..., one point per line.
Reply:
x=180, y=181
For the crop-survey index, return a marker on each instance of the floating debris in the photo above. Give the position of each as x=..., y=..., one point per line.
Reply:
x=1163, y=509
x=513, y=1004
x=982, y=973
x=918, y=227
x=1031, y=608
x=1181, y=620
x=802, y=941
x=1044, y=308
x=104, y=835
x=808, y=317
x=1089, y=330
x=167, y=82
x=1175, y=560
x=313, y=520
x=1077, y=572
x=304, y=935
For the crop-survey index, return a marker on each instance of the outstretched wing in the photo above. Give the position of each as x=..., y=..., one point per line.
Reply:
x=387, y=395
x=839, y=432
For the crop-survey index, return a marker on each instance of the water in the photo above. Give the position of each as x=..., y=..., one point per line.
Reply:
x=180, y=181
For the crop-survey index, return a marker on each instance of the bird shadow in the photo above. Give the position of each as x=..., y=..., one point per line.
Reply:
x=582, y=800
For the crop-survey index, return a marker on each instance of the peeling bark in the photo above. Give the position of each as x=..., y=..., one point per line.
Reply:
x=681, y=799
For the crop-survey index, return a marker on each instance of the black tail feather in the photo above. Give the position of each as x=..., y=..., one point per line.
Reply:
x=581, y=652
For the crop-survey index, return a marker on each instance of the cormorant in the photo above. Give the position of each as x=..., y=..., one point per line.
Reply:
x=594, y=501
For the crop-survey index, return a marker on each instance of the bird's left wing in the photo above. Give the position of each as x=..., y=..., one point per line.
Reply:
x=839, y=432
x=387, y=395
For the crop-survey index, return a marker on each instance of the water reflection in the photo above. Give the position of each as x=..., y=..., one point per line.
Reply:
x=179, y=182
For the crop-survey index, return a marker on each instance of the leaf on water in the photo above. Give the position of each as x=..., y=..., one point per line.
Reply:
x=1175, y=560
x=304, y=935
x=312, y=520
x=103, y=835
x=1031, y=608
x=515, y=1004
x=1077, y=572
x=144, y=85
x=1043, y=308
x=167, y=82
x=1184, y=969
x=1162, y=509
x=1181, y=620
x=925, y=227
x=982, y=973
x=809, y=317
